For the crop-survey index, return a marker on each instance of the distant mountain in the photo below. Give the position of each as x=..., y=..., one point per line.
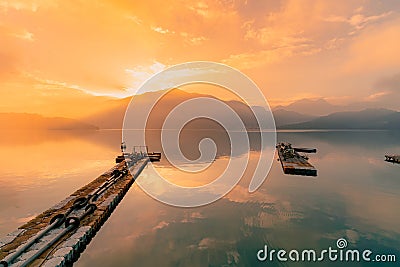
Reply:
x=25, y=121
x=313, y=107
x=365, y=119
x=321, y=107
x=112, y=118
x=285, y=117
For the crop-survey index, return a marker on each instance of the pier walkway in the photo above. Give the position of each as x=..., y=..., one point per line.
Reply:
x=58, y=236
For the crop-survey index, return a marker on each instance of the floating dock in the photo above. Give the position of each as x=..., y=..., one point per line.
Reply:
x=305, y=150
x=294, y=163
x=153, y=156
x=58, y=236
x=392, y=158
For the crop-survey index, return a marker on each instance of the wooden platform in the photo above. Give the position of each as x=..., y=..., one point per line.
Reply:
x=153, y=156
x=292, y=162
x=392, y=158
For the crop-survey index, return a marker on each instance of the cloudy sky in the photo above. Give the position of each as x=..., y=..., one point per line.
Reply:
x=343, y=51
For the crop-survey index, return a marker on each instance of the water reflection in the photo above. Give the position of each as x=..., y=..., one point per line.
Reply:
x=356, y=196
x=38, y=169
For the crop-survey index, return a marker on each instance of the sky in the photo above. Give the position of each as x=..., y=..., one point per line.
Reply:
x=65, y=52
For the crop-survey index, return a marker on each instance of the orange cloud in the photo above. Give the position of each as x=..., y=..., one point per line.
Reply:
x=109, y=47
x=375, y=50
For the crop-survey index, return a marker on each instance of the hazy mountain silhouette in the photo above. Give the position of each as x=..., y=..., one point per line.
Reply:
x=321, y=107
x=112, y=118
x=365, y=119
x=25, y=121
x=112, y=114
x=313, y=107
x=285, y=117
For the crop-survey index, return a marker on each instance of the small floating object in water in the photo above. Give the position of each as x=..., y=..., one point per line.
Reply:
x=392, y=158
x=305, y=149
x=154, y=156
x=137, y=151
x=294, y=163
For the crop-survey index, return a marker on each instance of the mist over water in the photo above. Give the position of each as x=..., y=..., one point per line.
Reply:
x=356, y=196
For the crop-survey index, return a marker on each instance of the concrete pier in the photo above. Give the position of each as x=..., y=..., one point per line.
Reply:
x=58, y=236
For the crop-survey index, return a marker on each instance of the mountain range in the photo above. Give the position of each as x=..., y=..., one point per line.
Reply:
x=364, y=119
x=312, y=107
x=302, y=114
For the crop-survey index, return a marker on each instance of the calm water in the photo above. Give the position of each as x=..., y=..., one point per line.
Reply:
x=355, y=196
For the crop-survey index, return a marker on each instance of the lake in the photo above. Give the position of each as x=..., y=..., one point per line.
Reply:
x=355, y=196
